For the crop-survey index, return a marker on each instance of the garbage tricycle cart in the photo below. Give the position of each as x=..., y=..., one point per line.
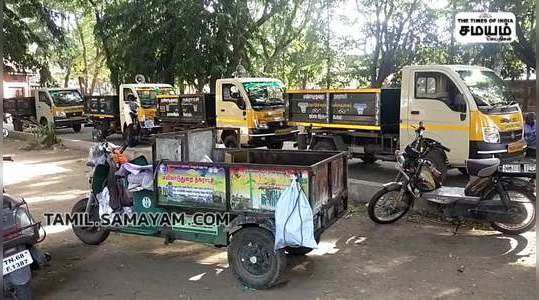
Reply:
x=227, y=198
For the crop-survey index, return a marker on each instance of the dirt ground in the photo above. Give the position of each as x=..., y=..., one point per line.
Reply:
x=356, y=259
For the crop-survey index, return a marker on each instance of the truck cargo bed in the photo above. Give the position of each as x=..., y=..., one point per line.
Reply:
x=187, y=109
x=20, y=107
x=106, y=106
x=362, y=109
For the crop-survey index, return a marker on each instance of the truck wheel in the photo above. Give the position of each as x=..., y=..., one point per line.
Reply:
x=437, y=158
x=77, y=127
x=17, y=125
x=276, y=145
x=323, y=145
x=253, y=260
x=89, y=235
x=230, y=142
x=369, y=158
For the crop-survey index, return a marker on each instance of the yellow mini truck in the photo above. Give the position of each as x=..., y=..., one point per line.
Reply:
x=467, y=109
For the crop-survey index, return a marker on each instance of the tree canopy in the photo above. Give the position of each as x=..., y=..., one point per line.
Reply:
x=194, y=42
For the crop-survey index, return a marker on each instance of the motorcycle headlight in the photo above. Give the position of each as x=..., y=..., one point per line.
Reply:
x=491, y=135
x=61, y=114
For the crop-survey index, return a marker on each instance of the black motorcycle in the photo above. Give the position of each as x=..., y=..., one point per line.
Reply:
x=20, y=235
x=495, y=192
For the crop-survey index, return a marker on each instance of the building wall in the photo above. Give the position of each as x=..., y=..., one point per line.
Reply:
x=18, y=84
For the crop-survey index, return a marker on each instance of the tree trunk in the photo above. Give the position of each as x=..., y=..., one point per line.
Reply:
x=67, y=75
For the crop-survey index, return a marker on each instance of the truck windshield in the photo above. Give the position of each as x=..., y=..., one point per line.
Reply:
x=264, y=94
x=487, y=88
x=148, y=96
x=66, y=97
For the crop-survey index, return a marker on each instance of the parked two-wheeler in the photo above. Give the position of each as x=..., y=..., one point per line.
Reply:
x=495, y=193
x=7, y=120
x=20, y=235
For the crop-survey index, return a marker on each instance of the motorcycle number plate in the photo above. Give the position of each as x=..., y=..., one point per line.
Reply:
x=16, y=261
x=511, y=168
x=529, y=168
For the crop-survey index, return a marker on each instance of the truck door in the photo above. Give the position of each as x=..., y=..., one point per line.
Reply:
x=44, y=108
x=437, y=101
x=231, y=110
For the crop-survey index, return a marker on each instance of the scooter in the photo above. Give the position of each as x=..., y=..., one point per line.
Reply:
x=20, y=235
x=495, y=192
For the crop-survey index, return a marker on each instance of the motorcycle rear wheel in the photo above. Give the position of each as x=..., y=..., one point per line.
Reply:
x=387, y=200
x=520, y=199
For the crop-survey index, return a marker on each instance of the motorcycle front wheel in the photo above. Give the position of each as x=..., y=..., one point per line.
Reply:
x=91, y=235
x=389, y=205
x=523, y=208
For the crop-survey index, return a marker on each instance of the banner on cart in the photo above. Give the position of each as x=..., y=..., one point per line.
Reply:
x=189, y=185
x=260, y=189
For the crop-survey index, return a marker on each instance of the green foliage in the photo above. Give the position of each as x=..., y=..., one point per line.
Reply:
x=27, y=23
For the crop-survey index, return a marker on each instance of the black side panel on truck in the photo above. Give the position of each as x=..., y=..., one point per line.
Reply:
x=188, y=109
x=390, y=110
x=307, y=107
x=344, y=107
x=20, y=107
x=354, y=108
x=102, y=105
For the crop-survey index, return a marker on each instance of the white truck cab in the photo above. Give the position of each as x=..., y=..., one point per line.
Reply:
x=466, y=108
x=62, y=107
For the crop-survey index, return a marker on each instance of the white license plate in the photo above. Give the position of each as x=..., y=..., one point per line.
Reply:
x=16, y=261
x=529, y=168
x=511, y=168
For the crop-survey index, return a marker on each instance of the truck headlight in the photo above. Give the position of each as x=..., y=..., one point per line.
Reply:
x=61, y=114
x=262, y=126
x=491, y=135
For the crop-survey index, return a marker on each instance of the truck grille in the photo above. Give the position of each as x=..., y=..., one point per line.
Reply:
x=510, y=136
x=74, y=114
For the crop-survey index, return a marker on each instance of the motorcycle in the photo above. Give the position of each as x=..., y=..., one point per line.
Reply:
x=495, y=193
x=21, y=233
x=7, y=120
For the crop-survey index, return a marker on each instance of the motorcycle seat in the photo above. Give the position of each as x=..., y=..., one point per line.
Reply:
x=482, y=167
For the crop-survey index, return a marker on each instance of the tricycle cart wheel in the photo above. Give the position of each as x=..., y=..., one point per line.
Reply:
x=18, y=125
x=253, y=260
x=91, y=235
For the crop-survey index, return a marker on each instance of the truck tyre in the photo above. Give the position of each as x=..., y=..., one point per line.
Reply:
x=230, y=141
x=275, y=145
x=88, y=235
x=77, y=127
x=17, y=125
x=369, y=158
x=253, y=260
x=323, y=145
x=437, y=157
